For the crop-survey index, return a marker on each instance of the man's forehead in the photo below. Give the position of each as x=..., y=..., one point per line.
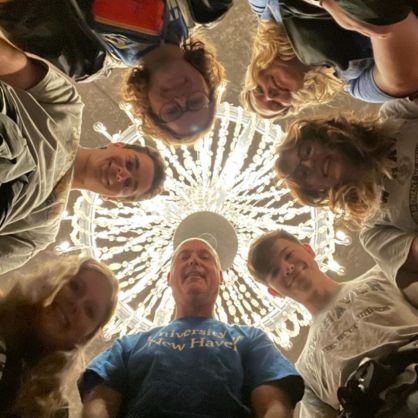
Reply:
x=195, y=244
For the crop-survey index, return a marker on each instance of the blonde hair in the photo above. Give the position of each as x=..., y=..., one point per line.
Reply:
x=271, y=43
x=201, y=55
x=365, y=143
x=41, y=393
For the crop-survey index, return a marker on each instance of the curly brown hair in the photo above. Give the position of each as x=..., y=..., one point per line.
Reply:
x=271, y=43
x=201, y=55
x=365, y=142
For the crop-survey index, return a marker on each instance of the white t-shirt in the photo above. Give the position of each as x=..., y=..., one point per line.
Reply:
x=369, y=317
x=388, y=235
x=40, y=135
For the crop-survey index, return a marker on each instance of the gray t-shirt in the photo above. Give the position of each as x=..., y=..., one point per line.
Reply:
x=369, y=317
x=40, y=130
x=388, y=235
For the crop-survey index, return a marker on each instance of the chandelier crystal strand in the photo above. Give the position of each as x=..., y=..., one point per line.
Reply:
x=229, y=172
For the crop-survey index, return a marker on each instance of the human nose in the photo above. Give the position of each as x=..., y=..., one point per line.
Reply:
x=289, y=269
x=121, y=174
x=193, y=259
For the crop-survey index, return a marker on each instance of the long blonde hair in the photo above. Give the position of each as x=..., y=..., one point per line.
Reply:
x=364, y=142
x=271, y=43
x=44, y=379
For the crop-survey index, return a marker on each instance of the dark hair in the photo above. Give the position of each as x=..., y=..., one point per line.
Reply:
x=157, y=185
x=261, y=253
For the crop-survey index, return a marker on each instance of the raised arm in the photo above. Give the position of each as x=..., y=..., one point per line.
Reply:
x=396, y=252
x=269, y=401
x=395, y=46
x=18, y=69
x=102, y=402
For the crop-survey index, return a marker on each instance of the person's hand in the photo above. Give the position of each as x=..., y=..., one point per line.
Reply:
x=349, y=22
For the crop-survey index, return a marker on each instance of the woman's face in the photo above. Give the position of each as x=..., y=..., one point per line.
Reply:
x=317, y=167
x=276, y=85
x=76, y=312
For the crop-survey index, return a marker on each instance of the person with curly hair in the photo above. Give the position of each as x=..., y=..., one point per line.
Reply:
x=41, y=160
x=304, y=55
x=46, y=320
x=366, y=170
x=174, y=78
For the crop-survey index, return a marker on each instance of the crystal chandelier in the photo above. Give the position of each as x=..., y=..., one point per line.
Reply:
x=227, y=174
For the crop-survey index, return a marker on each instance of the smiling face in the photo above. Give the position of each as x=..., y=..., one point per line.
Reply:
x=316, y=167
x=119, y=172
x=276, y=85
x=195, y=274
x=76, y=312
x=180, y=97
x=293, y=271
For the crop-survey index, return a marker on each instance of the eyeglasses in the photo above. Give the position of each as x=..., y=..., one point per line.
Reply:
x=196, y=101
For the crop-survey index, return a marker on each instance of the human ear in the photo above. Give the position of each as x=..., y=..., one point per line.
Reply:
x=309, y=249
x=274, y=293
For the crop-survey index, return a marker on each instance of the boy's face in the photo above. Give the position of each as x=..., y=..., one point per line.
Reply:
x=293, y=271
x=119, y=172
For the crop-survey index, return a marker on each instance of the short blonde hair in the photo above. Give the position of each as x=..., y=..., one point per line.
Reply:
x=271, y=43
x=365, y=143
x=201, y=55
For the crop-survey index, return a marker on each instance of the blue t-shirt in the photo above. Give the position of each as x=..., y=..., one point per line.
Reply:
x=359, y=74
x=194, y=367
x=129, y=46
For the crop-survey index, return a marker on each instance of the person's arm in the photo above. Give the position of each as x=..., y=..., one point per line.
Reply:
x=312, y=407
x=395, y=49
x=18, y=69
x=396, y=58
x=394, y=250
x=269, y=401
x=102, y=402
x=17, y=249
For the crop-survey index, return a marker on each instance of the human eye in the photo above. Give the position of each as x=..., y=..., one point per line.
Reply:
x=288, y=255
x=75, y=286
x=90, y=311
x=170, y=111
x=130, y=164
x=306, y=151
x=197, y=101
x=205, y=256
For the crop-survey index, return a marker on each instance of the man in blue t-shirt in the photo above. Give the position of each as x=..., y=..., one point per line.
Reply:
x=195, y=366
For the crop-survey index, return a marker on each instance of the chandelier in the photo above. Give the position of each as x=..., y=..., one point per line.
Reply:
x=225, y=179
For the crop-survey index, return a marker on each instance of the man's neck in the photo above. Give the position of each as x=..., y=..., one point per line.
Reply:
x=320, y=297
x=205, y=311
x=80, y=168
